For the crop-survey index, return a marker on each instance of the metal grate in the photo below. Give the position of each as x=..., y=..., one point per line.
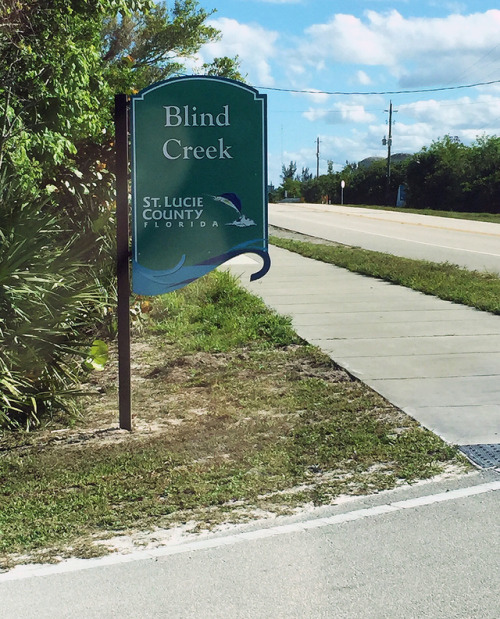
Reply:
x=485, y=456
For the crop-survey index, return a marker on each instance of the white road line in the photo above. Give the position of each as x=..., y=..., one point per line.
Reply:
x=407, y=240
x=74, y=565
x=450, y=224
x=395, y=238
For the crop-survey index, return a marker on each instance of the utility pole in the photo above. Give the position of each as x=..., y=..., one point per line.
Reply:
x=317, y=158
x=389, y=144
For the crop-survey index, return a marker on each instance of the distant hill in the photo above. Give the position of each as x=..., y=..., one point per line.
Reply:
x=369, y=161
x=398, y=157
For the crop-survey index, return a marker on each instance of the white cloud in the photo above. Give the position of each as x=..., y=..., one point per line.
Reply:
x=341, y=149
x=316, y=96
x=296, y=69
x=340, y=113
x=419, y=51
x=376, y=51
x=410, y=138
x=451, y=7
x=458, y=114
x=254, y=45
x=345, y=39
x=363, y=78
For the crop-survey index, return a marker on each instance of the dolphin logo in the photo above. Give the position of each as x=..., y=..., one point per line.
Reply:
x=231, y=200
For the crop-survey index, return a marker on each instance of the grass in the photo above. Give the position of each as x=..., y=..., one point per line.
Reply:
x=493, y=218
x=447, y=281
x=218, y=318
x=234, y=417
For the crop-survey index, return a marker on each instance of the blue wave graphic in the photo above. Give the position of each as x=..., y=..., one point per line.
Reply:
x=151, y=282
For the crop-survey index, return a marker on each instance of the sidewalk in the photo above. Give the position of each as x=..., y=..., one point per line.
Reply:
x=437, y=361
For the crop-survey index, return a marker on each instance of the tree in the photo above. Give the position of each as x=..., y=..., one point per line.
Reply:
x=224, y=67
x=149, y=46
x=305, y=175
x=447, y=175
x=482, y=188
x=330, y=183
x=48, y=312
x=61, y=62
x=312, y=190
x=435, y=175
x=289, y=172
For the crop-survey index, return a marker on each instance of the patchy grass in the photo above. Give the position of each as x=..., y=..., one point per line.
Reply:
x=220, y=317
x=447, y=281
x=231, y=423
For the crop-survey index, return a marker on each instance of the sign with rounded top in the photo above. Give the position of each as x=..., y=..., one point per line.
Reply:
x=199, y=180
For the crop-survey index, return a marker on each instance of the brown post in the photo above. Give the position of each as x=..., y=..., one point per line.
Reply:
x=122, y=261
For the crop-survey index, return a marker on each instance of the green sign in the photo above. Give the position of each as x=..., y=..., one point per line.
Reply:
x=199, y=180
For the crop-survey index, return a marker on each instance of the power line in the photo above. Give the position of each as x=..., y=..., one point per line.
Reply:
x=479, y=61
x=442, y=103
x=384, y=92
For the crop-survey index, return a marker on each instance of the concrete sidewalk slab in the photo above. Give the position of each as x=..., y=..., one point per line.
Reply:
x=464, y=425
x=427, y=366
x=427, y=345
x=317, y=326
x=437, y=361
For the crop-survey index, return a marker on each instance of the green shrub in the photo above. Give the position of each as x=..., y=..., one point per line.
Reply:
x=48, y=301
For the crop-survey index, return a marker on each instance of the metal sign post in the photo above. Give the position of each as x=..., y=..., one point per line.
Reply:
x=122, y=261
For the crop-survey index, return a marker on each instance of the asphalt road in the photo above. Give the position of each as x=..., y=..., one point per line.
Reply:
x=471, y=244
x=429, y=551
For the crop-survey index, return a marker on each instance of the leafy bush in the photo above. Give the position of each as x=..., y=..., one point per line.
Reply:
x=46, y=307
x=61, y=62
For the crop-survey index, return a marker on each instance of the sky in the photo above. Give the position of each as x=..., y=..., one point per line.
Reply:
x=331, y=68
